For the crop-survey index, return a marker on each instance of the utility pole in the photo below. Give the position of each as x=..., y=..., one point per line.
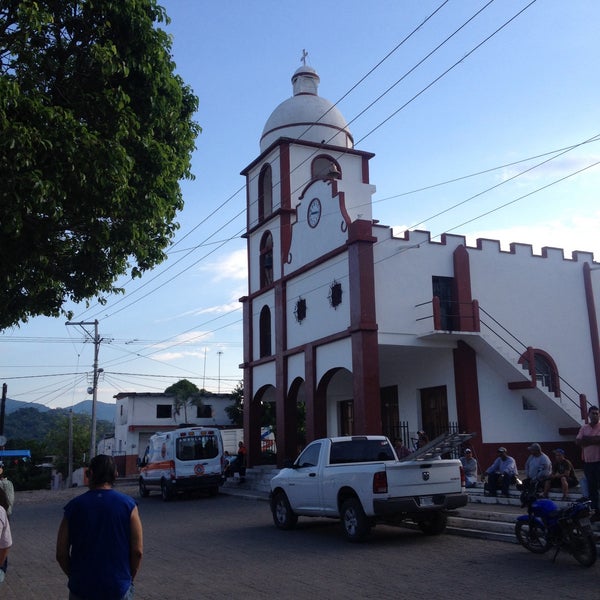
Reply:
x=3, y=408
x=2, y=411
x=204, y=375
x=219, y=380
x=70, y=465
x=96, y=338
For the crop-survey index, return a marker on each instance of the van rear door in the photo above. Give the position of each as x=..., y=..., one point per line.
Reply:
x=198, y=453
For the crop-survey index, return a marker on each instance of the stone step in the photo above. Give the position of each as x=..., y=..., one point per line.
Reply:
x=481, y=534
x=489, y=525
x=488, y=521
x=484, y=517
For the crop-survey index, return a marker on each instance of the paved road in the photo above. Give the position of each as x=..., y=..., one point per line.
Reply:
x=227, y=547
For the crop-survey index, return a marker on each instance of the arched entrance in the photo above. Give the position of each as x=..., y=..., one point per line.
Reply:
x=262, y=413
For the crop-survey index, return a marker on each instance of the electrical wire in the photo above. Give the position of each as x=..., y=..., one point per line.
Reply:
x=414, y=191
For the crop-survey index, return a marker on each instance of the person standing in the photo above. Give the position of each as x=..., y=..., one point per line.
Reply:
x=100, y=544
x=589, y=440
x=5, y=534
x=503, y=472
x=7, y=487
x=241, y=461
x=9, y=490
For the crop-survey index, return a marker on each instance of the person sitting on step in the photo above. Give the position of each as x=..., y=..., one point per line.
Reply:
x=562, y=476
x=502, y=473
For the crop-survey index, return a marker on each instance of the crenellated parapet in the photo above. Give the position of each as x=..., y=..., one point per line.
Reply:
x=417, y=237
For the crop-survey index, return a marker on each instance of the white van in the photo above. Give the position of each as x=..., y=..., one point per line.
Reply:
x=190, y=458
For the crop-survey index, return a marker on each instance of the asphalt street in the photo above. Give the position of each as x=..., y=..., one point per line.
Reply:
x=227, y=547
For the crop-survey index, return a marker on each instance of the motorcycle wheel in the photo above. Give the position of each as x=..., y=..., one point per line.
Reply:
x=533, y=536
x=583, y=549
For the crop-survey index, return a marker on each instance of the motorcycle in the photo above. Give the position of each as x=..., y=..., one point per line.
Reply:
x=546, y=526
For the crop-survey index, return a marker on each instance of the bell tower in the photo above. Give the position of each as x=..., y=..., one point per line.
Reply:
x=308, y=224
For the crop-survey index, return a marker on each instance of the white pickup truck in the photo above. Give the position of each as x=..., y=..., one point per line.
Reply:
x=360, y=480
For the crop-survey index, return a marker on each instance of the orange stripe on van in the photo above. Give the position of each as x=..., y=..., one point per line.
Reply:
x=158, y=466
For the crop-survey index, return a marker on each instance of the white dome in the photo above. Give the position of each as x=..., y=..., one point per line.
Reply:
x=306, y=116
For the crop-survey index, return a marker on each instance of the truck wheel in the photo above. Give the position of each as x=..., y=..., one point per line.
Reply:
x=165, y=491
x=355, y=523
x=144, y=491
x=283, y=515
x=434, y=524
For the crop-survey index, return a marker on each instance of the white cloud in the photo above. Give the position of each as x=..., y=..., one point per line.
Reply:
x=231, y=266
x=574, y=233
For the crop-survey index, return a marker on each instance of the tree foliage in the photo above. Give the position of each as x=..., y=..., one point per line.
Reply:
x=96, y=131
x=235, y=411
x=185, y=394
x=47, y=434
x=57, y=441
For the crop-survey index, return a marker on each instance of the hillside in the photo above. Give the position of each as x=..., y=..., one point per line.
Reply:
x=29, y=421
x=105, y=411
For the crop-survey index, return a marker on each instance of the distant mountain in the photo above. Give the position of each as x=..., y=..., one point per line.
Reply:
x=105, y=411
x=14, y=405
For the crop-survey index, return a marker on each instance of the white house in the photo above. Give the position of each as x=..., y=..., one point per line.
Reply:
x=139, y=415
x=372, y=332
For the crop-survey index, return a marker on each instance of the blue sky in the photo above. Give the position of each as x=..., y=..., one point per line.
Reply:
x=531, y=89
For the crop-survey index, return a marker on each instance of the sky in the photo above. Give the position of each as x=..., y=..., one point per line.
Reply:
x=483, y=121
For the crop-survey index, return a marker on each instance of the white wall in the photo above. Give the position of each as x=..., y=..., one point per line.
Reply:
x=322, y=319
x=403, y=272
x=542, y=302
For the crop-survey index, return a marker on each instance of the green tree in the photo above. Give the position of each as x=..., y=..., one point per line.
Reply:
x=96, y=131
x=25, y=473
x=185, y=394
x=235, y=411
x=57, y=441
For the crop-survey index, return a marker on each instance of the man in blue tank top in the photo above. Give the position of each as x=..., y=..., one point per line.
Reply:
x=100, y=544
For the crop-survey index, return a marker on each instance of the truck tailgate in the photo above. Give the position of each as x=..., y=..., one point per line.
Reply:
x=423, y=478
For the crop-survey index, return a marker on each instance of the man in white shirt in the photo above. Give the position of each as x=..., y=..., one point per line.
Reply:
x=538, y=467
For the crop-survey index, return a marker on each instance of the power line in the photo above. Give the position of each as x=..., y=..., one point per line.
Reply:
x=243, y=187
x=297, y=166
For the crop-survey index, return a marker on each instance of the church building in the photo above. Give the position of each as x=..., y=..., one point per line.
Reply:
x=350, y=329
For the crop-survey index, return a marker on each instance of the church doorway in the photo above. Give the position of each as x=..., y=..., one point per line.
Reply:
x=434, y=410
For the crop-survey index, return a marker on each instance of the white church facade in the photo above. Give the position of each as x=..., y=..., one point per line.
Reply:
x=349, y=329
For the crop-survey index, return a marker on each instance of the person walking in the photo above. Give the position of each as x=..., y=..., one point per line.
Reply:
x=589, y=440
x=100, y=543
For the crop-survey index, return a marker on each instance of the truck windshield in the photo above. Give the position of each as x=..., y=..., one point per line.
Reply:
x=197, y=447
x=353, y=451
